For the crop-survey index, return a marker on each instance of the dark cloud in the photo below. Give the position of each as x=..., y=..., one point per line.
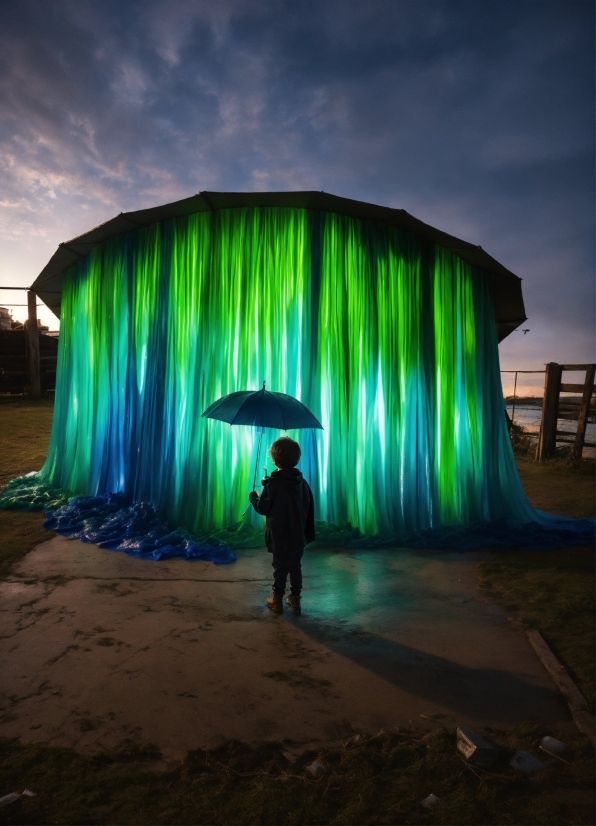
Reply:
x=475, y=117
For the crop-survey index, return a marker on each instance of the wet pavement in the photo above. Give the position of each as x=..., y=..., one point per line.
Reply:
x=98, y=648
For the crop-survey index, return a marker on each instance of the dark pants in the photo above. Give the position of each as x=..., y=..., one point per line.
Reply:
x=282, y=566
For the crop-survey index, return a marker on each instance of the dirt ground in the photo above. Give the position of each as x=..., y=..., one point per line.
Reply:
x=98, y=648
x=565, y=489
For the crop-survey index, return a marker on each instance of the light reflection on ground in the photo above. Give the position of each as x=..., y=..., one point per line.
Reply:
x=378, y=589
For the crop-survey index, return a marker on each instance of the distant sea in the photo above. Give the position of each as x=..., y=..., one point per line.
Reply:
x=529, y=416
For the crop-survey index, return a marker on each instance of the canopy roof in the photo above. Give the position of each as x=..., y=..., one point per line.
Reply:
x=509, y=304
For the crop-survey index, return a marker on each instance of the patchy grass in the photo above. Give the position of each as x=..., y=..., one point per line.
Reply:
x=24, y=436
x=559, y=485
x=380, y=779
x=522, y=441
x=552, y=591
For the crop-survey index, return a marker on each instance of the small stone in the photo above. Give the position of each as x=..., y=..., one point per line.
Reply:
x=552, y=746
x=316, y=769
x=9, y=798
x=525, y=762
x=475, y=748
x=430, y=801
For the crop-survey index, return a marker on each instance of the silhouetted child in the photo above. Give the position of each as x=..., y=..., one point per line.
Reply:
x=287, y=504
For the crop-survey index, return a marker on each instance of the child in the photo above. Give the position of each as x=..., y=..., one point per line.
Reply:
x=287, y=504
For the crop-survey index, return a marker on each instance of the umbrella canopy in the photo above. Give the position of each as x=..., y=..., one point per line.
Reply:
x=262, y=408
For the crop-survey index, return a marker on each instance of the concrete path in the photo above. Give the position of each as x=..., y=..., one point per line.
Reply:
x=97, y=648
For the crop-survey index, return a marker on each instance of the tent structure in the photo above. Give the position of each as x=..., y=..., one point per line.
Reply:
x=385, y=327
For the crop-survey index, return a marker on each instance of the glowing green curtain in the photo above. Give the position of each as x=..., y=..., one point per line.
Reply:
x=389, y=340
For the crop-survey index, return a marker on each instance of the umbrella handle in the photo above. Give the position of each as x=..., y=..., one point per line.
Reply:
x=254, y=481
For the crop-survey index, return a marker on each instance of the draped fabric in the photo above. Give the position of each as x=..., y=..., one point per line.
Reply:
x=389, y=340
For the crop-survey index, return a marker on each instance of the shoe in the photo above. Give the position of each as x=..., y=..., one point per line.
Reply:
x=275, y=603
x=293, y=601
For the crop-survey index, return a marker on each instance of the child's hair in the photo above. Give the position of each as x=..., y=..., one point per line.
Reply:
x=285, y=452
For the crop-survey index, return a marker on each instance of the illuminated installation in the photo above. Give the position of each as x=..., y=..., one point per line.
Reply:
x=389, y=338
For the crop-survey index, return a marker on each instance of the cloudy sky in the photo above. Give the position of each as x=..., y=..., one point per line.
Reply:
x=475, y=117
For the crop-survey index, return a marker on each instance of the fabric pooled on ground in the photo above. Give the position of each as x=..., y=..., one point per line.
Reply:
x=31, y=493
x=113, y=522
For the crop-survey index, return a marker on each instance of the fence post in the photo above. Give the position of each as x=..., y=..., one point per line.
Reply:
x=514, y=389
x=33, y=377
x=580, y=436
x=547, y=440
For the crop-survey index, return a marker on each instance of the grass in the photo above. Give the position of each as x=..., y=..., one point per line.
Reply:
x=377, y=780
x=559, y=485
x=552, y=591
x=24, y=436
x=380, y=779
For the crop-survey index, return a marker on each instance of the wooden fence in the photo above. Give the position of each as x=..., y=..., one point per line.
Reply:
x=14, y=367
x=554, y=408
x=28, y=358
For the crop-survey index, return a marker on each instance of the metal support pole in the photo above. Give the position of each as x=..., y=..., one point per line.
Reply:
x=514, y=389
x=33, y=371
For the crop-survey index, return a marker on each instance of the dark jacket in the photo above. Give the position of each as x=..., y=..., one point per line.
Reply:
x=287, y=503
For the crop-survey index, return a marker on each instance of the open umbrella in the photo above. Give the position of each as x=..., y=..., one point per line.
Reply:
x=262, y=408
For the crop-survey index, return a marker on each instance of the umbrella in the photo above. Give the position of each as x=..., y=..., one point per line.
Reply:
x=262, y=408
